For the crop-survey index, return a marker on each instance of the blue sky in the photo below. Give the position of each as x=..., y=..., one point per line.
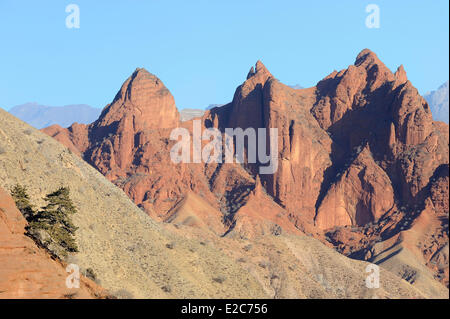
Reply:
x=202, y=50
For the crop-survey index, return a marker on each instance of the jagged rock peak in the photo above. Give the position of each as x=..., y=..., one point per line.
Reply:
x=144, y=96
x=258, y=190
x=400, y=74
x=259, y=66
x=370, y=61
x=251, y=73
x=377, y=72
x=363, y=154
x=259, y=70
x=367, y=57
x=139, y=82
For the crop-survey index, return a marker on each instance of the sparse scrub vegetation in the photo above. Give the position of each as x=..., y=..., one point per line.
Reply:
x=166, y=289
x=91, y=274
x=22, y=199
x=219, y=280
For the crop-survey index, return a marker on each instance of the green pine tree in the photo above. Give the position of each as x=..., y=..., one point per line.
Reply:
x=20, y=195
x=55, y=219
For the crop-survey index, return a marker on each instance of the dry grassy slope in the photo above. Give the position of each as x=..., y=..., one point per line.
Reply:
x=346, y=277
x=135, y=257
x=296, y=266
x=290, y=266
x=401, y=260
x=404, y=256
x=193, y=211
x=124, y=247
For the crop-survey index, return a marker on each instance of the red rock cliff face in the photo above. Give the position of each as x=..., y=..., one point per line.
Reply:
x=303, y=147
x=367, y=104
x=142, y=104
x=130, y=145
x=359, y=148
x=362, y=194
x=144, y=101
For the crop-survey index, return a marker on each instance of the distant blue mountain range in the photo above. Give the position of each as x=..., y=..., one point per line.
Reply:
x=41, y=116
x=438, y=101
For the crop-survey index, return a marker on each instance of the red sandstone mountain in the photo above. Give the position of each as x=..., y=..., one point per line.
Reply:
x=361, y=161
